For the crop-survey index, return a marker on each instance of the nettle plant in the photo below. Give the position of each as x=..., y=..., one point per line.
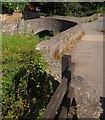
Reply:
x=26, y=87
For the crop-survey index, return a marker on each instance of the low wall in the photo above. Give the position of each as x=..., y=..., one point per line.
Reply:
x=14, y=16
x=13, y=27
x=55, y=23
x=67, y=28
x=59, y=44
x=37, y=25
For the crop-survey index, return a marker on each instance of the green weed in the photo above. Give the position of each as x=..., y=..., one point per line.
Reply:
x=26, y=88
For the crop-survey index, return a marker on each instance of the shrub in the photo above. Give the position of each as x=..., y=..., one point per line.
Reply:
x=10, y=7
x=26, y=87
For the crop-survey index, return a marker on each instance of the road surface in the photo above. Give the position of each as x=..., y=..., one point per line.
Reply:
x=88, y=55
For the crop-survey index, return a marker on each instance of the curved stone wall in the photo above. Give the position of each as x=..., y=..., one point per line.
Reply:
x=60, y=43
x=69, y=30
x=37, y=25
x=51, y=24
x=55, y=23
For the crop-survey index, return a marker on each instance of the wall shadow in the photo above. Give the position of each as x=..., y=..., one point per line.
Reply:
x=66, y=25
x=30, y=15
x=102, y=101
x=44, y=33
x=37, y=93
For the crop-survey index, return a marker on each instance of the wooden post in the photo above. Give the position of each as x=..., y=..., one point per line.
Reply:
x=61, y=94
x=66, y=67
x=66, y=73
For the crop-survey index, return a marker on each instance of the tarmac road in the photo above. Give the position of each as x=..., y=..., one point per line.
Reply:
x=88, y=55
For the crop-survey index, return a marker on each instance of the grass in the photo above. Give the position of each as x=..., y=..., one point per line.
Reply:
x=16, y=50
x=21, y=63
x=20, y=43
x=14, y=47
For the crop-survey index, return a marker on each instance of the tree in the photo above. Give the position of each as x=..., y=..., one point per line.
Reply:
x=9, y=7
x=77, y=9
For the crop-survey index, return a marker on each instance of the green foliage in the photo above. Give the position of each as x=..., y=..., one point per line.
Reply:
x=26, y=87
x=78, y=9
x=45, y=38
x=73, y=8
x=9, y=7
x=100, y=10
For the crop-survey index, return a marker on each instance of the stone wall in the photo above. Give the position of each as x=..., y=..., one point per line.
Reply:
x=7, y=17
x=54, y=48
x=55, y=25
x=60, y=43
x=68, y=30
x=36, y=25
x=13, y=27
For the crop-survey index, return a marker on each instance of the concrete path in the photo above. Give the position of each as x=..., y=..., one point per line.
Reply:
x=88, y=55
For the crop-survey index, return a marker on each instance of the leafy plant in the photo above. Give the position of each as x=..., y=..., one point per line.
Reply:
x=9, y=7
x=100, y=10
x=78, y=9
x=26, y=87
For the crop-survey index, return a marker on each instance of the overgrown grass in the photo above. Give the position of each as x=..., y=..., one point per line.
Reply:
x=19, y=43
x=26, y=87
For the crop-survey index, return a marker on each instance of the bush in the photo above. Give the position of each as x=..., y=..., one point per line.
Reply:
x=100, y=10
x=10, y=7
x=26, y=87
x=77, y=9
